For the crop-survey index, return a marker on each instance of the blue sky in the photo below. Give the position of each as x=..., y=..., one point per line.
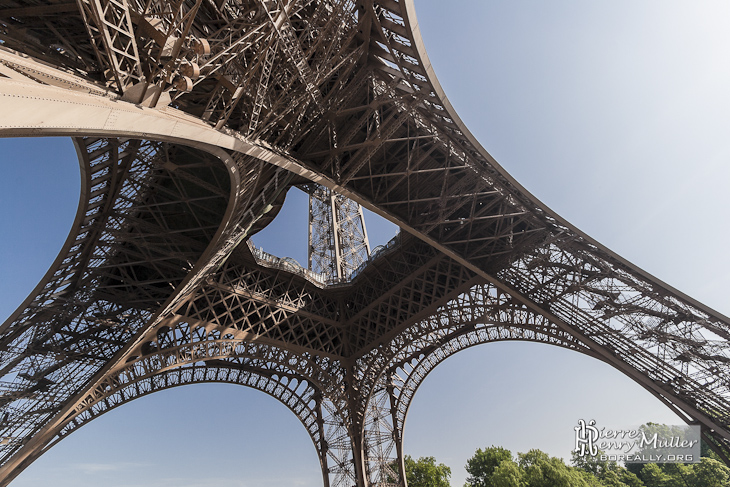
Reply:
x=616, y=114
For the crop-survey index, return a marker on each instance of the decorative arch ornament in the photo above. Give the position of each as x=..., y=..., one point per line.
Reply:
x=192, y=119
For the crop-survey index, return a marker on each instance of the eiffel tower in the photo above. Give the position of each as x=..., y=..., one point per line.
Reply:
x=192, y=120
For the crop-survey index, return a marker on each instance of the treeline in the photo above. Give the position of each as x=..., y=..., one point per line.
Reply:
x=497, y=467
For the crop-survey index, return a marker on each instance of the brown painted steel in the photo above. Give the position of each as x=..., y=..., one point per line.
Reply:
x=192, y=119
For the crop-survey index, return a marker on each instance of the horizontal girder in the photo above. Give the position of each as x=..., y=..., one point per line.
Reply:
x=193, y=119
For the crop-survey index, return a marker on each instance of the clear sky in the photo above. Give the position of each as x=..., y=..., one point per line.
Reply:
x=615, y=113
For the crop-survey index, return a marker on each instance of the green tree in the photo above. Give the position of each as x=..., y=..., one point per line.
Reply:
x=648, y=432
x=541, y=470
x=589, y=463
x=706, y=451
x=507, y=474
x=424, y=472
x=607, y=473
x=481, y=466
x=653, y=476
x=709, y=473
x=619, y=477
x=495, y=467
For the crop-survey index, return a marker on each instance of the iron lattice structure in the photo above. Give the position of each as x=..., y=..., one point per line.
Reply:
x=338, y=240
x=192, y=119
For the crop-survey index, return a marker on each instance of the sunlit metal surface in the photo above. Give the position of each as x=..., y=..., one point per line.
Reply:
x=192, y=120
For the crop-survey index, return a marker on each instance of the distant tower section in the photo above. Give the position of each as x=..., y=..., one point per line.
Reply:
x=338, y=241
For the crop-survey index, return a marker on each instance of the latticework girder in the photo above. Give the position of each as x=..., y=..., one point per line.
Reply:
x=338, y=240
x=192, y=121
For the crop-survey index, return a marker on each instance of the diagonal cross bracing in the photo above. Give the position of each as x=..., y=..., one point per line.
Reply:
x=156, y=286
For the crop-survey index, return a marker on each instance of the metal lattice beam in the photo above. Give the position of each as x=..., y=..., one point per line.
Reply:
x=192, y=121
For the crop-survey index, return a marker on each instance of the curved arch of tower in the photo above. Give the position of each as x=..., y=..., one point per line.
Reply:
x=192, y=120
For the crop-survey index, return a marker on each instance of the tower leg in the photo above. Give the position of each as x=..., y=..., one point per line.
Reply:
x=383, y=440
x=397, y=437
x=361, y=446
x=339, y=465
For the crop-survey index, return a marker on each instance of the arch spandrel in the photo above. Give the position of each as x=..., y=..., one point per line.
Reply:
x=340, y=93
x=152, y=215
x=191, y=354
x=391, y=375
x=82, y=310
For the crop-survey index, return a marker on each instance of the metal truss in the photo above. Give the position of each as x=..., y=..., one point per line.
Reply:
x=192, y=120
x=338, y=240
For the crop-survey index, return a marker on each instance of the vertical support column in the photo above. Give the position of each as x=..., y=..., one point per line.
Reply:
x=310, y=235
x=336, y=235
x=321, y=226
x=355, y=408
x=360, y=444
x=340, y=467
x=359, y=457
x=323, y=446
x=397, y=437
x=383, y=440
x=338, y=240
x=361, y=220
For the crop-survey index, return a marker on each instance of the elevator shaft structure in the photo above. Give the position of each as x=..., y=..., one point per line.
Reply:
x=192, y=119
